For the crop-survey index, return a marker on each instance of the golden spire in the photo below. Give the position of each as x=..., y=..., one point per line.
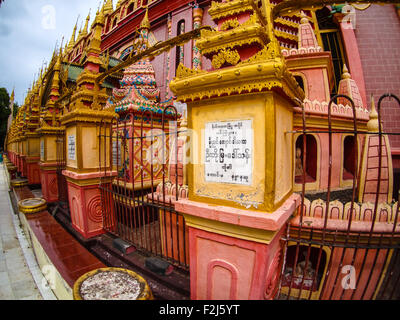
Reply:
x=80, y=32
x=373, y=123
x=72, y=40
x=108, y=7
x=304, y=18
x=86, y=27
x=346, y=74
x=65, y=58
x=145, y=24
x=94, y=47
x=99, y=17
x=57, y=66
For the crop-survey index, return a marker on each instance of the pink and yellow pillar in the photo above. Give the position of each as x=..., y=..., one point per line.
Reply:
x=240, y=191
x=82, y=124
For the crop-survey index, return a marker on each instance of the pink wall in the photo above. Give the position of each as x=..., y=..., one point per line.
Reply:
x=207, y=21
x=160, y=62
x=378, y=37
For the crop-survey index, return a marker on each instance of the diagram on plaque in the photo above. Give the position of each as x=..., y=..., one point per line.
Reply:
x=228, y=152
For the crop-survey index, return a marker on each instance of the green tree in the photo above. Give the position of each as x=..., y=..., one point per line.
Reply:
x=16, y=107
x=4, y=113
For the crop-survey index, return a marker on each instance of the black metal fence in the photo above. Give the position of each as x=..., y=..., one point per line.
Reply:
x=342, y=251
x=137, y=155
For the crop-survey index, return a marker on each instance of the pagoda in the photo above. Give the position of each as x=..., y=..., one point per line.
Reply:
x=51, y=133
x=137, y=102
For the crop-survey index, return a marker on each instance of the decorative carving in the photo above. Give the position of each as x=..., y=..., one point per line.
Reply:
x=53, y=186
x=183, y=72
x=220, y=10
x=272, y=278
x=232, y=23
x=225, y=56
x=94, y=209
x=271, y=51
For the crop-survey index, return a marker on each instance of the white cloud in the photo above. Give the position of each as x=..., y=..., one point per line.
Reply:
x=29, y=30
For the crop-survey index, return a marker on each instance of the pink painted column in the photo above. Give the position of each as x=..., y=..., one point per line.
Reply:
x=85, y=203
x=353, y=57
x=48, y=179
x=235, y=254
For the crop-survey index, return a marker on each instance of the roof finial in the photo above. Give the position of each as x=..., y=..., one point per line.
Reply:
x=86, y=27
x=304, y=18
x=108, y=7
x=373, y=123
x=145, y=24
x=346, y=74
x=72, y=40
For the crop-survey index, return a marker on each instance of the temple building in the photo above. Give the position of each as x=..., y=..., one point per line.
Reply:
x=234, y=149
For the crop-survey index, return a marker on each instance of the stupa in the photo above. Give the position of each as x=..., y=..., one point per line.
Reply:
x=137, y=102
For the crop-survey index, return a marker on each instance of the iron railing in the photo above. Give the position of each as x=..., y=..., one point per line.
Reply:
x=136, y=155
x=337, y=251
x=61, y=162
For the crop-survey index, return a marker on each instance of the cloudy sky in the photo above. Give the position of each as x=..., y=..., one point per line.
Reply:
x=29, y=31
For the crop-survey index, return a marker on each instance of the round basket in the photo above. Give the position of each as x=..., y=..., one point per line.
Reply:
x=12, y=169
x=32, y=205
x=111, y=284
x=16, y=183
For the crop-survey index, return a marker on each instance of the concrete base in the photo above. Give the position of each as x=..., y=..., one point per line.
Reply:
x=235, y=254
x=33, y=171
x=85, y=207
x=49, y=184
x=84, y=197
x=24, y=168
x=58, y=285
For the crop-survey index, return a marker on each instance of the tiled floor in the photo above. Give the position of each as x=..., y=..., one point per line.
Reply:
x=70, y=258
x=16, y=281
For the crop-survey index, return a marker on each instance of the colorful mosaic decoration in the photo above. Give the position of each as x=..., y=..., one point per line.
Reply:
x=138, y=91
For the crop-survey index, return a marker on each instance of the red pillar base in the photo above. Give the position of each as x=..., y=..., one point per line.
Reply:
x=18, y=163
x=85, y=208
x=33, y=171
x=49, y=184
x=13, y=158
x=24, y=171
x=85, y=203
x=235, y=254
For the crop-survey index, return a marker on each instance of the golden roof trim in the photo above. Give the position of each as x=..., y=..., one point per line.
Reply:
x=220, y=10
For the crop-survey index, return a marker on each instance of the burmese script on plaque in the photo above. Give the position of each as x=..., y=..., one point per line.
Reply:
x=117, y=153
x=72, y=147
x=228, y=152
x=41, y=149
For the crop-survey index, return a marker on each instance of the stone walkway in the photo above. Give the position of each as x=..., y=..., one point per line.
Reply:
x=20, y=277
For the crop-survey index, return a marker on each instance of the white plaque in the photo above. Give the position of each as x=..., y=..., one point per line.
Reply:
x=228, y=152
x=117, y=153
x=72, y=147
x=41, y=149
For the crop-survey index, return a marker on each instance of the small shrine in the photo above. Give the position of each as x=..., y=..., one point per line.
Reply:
x=137, y=102
x=263, y=175
x=147, y=154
